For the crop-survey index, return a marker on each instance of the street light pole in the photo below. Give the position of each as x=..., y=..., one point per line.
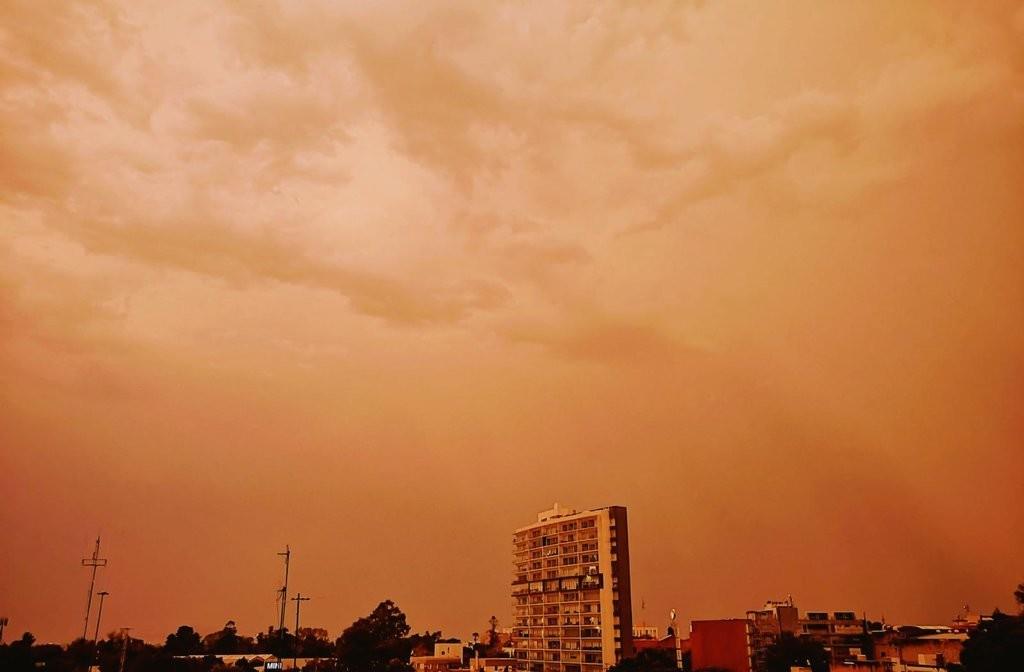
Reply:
x=99, y=615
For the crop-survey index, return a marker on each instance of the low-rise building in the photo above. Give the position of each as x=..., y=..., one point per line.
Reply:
x=447, y=657
x=841, y=633
x=435, y=663
x=492, y=664
x=936, y=650
x=727, y=643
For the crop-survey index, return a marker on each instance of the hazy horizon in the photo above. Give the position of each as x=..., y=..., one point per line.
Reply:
x=383, y=282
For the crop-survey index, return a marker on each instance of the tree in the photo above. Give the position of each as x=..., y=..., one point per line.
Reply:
x=17, y=656
x=995, y=645
x=1019, y=596
x=492, y=642
x=228, y=641
x=314, y=643
x=788, y=651
x=79, y=654
x=276, y=642
x=184, y=641
x=648, y=660
x=375, y=643
x=423, y=644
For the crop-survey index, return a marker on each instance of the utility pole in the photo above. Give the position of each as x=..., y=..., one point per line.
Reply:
x=124, y=650
x=287, y=555
x=298, y=600
x=3, y=624
x=99, y=615
x=95, y=562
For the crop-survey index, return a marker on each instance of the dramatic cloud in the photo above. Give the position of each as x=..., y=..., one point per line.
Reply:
x=382, y=280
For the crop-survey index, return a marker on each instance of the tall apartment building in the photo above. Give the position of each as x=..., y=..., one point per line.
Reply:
x=570, y=591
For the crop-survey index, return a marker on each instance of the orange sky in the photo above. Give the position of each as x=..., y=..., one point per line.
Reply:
x=383, y=282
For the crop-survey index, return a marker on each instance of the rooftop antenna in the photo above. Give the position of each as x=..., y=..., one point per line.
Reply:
x=95, y=562
x=287, y=555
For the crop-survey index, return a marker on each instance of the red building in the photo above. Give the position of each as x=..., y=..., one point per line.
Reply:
x=721, y=643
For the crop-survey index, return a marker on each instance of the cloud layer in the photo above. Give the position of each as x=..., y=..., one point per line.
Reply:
x=381, y=281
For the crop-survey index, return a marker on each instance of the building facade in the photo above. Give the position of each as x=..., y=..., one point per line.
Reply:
x=741, y=645
x=841, y=633
x=767, y=625
x=722, y=644
x=570, y=591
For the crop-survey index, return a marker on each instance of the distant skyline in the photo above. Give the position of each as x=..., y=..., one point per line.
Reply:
x=374, y=281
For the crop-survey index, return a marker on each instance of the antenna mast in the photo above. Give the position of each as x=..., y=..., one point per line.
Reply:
x=95, y=562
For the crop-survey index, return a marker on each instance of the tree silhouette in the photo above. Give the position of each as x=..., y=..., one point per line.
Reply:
x=17, y=656
x=423, y=644
x=228, y=641
x=185, y=641
x=996, y=645
x=789, y=651
x=648, y=660
x=375, y=643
